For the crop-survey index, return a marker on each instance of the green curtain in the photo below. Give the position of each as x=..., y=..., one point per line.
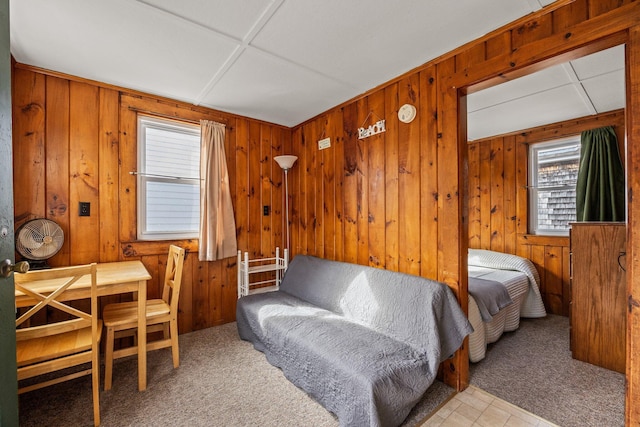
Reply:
x=600, y=188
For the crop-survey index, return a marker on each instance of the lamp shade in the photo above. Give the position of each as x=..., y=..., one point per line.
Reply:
x=286, y=162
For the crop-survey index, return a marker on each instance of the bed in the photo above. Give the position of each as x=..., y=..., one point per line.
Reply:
x=521, y=281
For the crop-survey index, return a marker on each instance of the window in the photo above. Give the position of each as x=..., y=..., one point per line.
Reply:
x=168, y=179
x=553, y=172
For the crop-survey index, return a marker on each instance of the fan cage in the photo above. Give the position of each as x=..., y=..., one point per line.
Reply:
x=38, y=240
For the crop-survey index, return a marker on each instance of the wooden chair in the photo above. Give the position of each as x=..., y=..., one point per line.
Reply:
x=59, y=344
x=121, y=319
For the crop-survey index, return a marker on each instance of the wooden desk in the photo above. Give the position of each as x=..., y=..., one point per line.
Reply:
x=112, y=278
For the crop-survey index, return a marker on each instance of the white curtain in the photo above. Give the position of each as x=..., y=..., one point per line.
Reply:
x=217, y=222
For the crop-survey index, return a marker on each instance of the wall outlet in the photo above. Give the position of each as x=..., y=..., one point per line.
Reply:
x=84, y=209
x=324, y=143
x=265, y=210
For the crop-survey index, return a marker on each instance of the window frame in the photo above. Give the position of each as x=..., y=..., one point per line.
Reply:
x=533, y=188
x=143, y=179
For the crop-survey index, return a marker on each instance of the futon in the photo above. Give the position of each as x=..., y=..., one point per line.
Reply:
x=365, y=343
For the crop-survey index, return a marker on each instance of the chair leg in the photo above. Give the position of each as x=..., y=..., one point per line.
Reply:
x=108, y=358
x=95, y=384
x=173, y=324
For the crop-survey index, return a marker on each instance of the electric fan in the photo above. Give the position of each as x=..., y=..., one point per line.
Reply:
x=38, y=240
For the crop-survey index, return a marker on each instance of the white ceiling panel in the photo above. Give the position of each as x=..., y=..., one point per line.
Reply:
x=233, y=18
x=607, y=91
x=603, y=62
x=118, y=42
x=561, y=103
x=594, y=84
x=273, y=90
x=366, y=43
x=513, y=89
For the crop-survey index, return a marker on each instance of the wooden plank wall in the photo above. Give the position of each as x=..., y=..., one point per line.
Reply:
x=398, y=200
x=349, y=203
x=498, y=202
x=75, y=140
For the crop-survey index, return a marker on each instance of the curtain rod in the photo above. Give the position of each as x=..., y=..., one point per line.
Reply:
x=168, y=116
x=163, y=176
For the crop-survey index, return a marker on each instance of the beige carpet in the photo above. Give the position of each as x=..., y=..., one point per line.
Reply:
x=532, y=368
x=222, y=381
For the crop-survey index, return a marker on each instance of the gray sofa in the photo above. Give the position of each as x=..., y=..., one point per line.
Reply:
x=364, y=342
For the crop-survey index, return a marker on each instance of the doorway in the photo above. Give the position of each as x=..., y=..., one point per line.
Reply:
x=504, y=119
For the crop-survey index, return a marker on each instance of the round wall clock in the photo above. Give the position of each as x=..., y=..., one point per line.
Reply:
x=407, y=113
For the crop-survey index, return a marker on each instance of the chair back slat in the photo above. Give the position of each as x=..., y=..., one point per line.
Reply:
x=58, y=281
x=53, y=303
x=62, y=279
x=173, y=277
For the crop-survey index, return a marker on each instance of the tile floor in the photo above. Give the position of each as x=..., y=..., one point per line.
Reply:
x=477, y=408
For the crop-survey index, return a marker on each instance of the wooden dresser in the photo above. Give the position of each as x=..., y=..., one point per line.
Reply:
x=598, y=294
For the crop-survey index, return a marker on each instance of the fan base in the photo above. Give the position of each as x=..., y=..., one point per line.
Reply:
x=37, y=264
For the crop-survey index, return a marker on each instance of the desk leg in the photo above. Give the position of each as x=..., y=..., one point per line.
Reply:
x=142, y=335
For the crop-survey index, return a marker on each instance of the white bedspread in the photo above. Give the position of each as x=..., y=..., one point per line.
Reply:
x=533, y=305
x=521, y=280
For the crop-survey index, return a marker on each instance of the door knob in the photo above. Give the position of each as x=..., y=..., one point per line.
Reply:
x=6, y=268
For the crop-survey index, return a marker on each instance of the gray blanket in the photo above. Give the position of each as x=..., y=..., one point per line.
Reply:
x=365, y=343
x=490, y=296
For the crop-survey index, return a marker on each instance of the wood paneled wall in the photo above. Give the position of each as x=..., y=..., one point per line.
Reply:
x=399, y=200
x=498, y=201
x=76, y=140
x=370, y=201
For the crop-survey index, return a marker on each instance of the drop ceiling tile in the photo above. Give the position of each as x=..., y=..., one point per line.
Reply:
x=602, y=62
x=561, y=103
x=607, y=91
x=540, y=81
x=233, y=18
x=127, y=45
x=273, y=90
x=366, y=43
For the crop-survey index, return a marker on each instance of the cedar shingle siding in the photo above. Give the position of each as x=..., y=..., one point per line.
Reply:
x=556, y=208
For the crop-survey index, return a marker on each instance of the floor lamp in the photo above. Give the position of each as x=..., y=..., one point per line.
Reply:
x=286, y=163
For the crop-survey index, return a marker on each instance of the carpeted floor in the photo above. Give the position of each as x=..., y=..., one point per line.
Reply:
x=532, y=368
x=221, y=381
